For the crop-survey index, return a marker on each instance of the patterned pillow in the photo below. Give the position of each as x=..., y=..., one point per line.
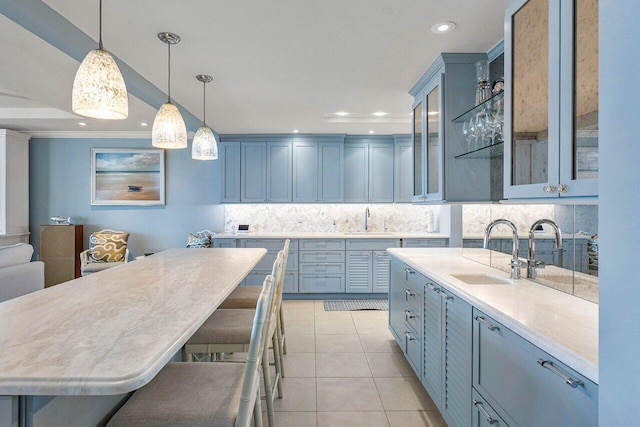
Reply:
x=199, y=241
x=108, y=246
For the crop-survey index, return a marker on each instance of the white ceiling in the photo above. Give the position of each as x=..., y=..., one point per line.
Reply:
x=278, y=65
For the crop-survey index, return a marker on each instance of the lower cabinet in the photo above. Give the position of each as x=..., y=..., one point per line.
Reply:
x=322, y=266
x=368, y=268
x=525, y=385
x=482, y=414
x=425, y=243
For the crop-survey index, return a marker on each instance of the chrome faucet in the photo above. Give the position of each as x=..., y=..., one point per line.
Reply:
x=532, y=262
x=515, y=262
x=367, y=214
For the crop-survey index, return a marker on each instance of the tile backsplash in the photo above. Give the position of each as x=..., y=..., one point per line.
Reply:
x=348, y=217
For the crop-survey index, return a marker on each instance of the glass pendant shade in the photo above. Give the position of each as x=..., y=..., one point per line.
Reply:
x=204, y=145
x=169, y=130
x=99, y=90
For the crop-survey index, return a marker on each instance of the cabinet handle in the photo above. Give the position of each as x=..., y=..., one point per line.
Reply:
x=445, y=295
x=562, y=188
x=484, y=412
x=409, y=293
x=408, y=271
x=566, y=378
x=408, y=315
x=549, y=189
x=433, y=287
x=408, y=336
x=490, y=325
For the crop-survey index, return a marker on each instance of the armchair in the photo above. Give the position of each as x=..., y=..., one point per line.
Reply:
x=107, y=249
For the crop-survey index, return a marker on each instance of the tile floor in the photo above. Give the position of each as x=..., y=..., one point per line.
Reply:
x=344, y=369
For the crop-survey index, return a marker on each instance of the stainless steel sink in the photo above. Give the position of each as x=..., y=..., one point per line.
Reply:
x=481, y=279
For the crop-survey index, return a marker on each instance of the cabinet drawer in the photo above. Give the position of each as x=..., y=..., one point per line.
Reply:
x=322, y=257
x=268, y=244
x=290, y=281
x=321, y=268
x=321, y=284
x=483, y=415
x=525, y=384
x=266, y=263
x=322, y=245
x=424, y=243
x=224, y=243
x=412, y=349
x=371, y=244
x=413, y=318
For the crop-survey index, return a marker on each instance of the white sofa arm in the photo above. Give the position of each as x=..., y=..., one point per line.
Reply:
x=21, y=279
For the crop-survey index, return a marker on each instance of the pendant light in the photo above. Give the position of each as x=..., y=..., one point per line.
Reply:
x=169, y=130
x=99, y=90
x=204, y=145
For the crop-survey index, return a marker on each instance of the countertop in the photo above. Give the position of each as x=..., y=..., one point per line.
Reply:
x=111, y=332
x=329, y=235
x=563, y=325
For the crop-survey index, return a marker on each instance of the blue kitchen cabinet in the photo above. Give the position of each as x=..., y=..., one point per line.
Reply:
x=253, y=177
x=368, y=265
x=229, y=157
x=483, y=415
x=359, y=271
x=403, y=169
x=381, y=272
x=525, y=385
x=425, y=243
x=321, y=266
x=279, y=171
x=368, y=170
x=432, y=366
x=317, y=172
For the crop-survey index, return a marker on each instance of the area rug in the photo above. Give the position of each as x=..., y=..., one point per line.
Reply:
x=356, y=304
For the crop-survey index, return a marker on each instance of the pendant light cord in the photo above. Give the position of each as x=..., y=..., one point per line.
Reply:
x=100, y=36
x=169, y=80
x=204, y=104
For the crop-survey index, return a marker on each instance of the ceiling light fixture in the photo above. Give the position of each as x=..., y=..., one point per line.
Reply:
x=169, y=130
x=204, y=145
x=372, y=131
x=82, y=124
x=443, y=27
x=432, y=113
x=342, y=113
x=379, y=114
x=295, y=131
x=144, y=124
x=99, y=90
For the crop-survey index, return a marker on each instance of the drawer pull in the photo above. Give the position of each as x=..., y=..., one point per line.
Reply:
x=408, y=315
x=433, y=287
x=484, y=412
x=409, y=337
x=407, y=272
x=409, y=293
x=490, y=326
x=445, y=295
x=566, y=378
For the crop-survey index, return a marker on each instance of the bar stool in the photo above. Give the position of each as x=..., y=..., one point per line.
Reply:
x=234, y=389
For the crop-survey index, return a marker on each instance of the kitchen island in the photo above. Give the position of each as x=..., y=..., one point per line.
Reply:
x=92, y=340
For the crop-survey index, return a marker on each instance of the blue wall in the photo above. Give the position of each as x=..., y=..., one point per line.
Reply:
x=60, y=182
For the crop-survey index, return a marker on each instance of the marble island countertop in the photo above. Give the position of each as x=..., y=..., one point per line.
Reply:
x=563, y=325
x=331, y=235
x=111, y=332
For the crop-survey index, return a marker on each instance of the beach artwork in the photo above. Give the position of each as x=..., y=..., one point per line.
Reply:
x=127, y=176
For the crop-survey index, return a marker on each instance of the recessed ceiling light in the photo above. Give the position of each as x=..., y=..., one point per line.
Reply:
x=144, y=124
x=432, y=113
x=295, y=131
x=379, y=113
x=443, y=27
x=372, y=131
x=82, y=124
x=342, y=113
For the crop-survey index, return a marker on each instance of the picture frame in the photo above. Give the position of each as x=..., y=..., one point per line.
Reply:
x=127, y=177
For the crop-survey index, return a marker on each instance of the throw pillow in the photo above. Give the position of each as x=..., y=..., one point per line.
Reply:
x=198, y=241
x=108, y=246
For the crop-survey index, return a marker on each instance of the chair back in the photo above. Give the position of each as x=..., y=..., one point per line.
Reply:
x=278, y=278
x=280, y=284
x=251, y=381
x=108, y=246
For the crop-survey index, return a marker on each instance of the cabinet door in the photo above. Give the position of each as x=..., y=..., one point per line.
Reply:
x=403, y=172
x=381, y=272
x=457, y=358
x=531, y=99
x=359, y=264
x=432, y=366
x=418, y=153
x=229, y=153
x=433, y=141
x=397, y=295
x=279, y=173
x=356, y=172
x=305, y=172
x=380, y=173
x=483, y=415
x=330, y=178
x=254, y=172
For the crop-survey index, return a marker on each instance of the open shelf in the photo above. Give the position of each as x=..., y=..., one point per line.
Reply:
x=472, y=112
x=486, y=152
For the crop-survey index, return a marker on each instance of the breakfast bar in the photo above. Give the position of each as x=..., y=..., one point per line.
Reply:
x=108, y=334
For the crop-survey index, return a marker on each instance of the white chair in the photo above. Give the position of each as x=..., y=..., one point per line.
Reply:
x=107, y=249
x=205, y=394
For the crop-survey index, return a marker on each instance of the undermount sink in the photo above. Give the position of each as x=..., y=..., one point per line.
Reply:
x=481, y=279
x=367, y=233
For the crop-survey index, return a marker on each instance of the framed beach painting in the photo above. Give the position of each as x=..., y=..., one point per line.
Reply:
x=127, y=176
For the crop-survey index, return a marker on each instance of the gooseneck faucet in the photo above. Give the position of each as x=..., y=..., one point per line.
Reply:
x=367, y=214
x=532, y=262
x=515, y=262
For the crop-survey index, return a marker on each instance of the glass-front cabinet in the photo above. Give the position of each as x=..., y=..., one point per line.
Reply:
x=551, y=101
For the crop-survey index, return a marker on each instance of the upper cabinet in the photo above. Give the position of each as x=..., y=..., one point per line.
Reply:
x=229, y=158
x=551, y=99
x=403, y=169
x=265, y=172
x=447, y=89
x=317, y=171
x=368, y=169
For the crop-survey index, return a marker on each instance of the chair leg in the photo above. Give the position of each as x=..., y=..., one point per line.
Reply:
x=266, y=374
x=277, y=357
x=278, y=344
x=282, y=332
x=188, y=357
x=257, y=411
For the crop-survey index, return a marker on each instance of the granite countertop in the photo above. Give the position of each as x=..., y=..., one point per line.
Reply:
x=329, y=235
x=563, y=325
x=111, y=332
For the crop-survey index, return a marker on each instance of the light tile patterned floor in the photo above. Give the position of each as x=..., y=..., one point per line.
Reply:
x=344, y=369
